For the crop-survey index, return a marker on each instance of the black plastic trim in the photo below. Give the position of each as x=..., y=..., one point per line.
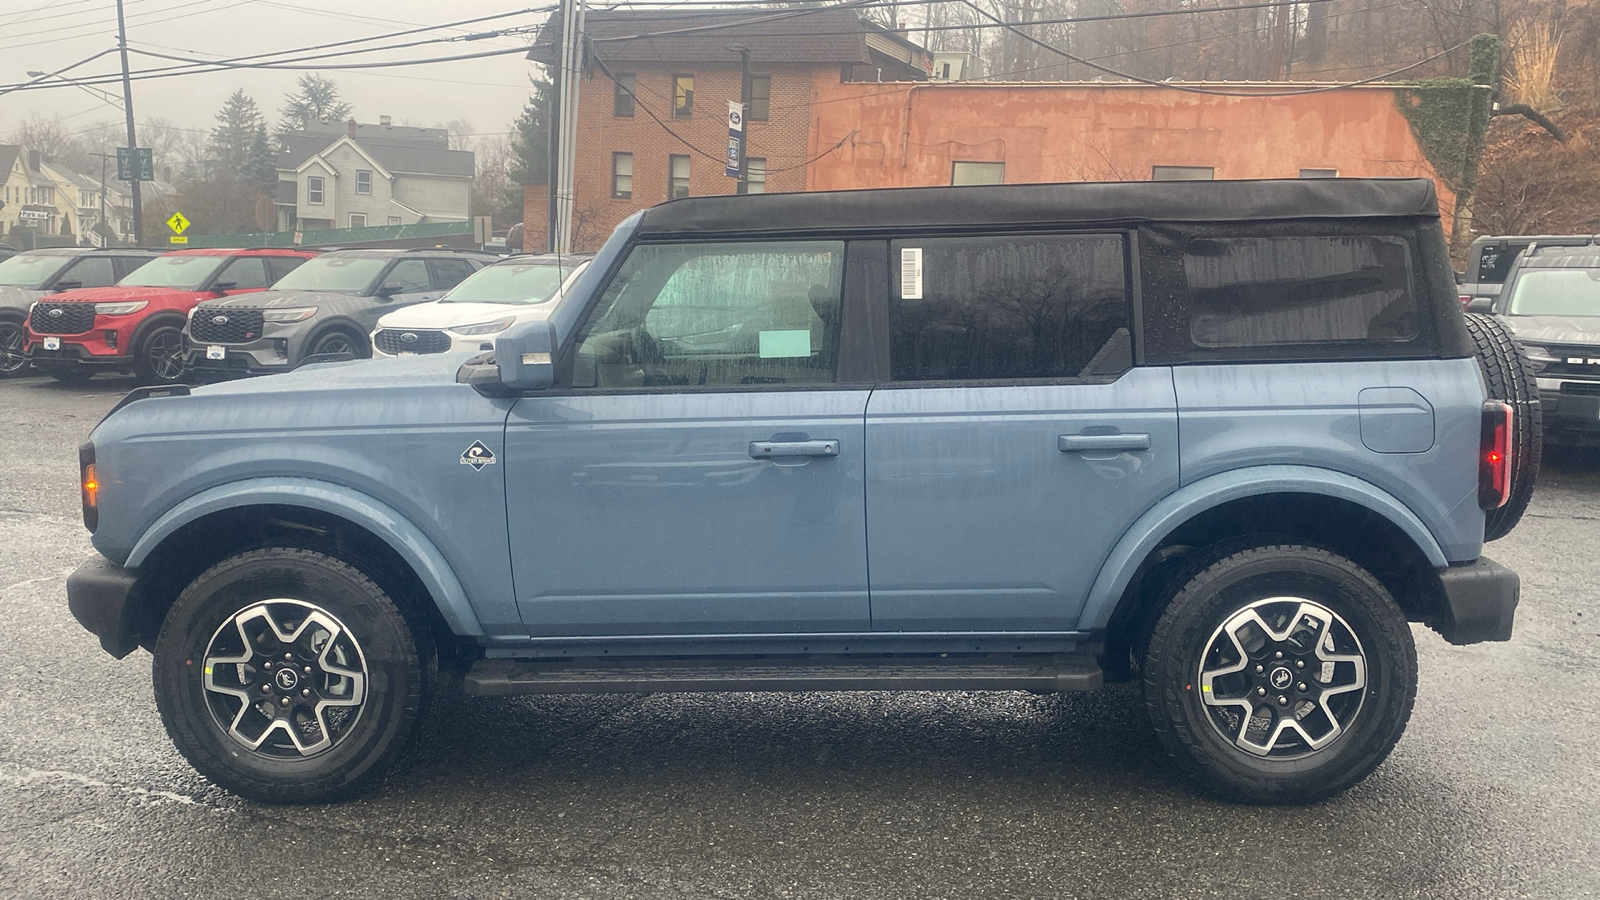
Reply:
x=100, y=595
x=1480, y=602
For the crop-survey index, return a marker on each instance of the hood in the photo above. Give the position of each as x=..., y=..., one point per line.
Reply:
x=276, y=299
x=1567, y=330
x=113, y=294
x=13, y=297
x=451, y=315
x=385, y=375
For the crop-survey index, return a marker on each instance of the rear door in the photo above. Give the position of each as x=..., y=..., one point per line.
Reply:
x=1016, y=441
x=700, y=468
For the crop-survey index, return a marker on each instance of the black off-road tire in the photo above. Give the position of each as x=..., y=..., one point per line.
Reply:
x=399, y=661
x=1181, y=644
x=158, y=358
x=1510, y=377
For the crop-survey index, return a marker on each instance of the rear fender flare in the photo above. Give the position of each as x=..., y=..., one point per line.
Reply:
x=419, y=552
x=1191, y=500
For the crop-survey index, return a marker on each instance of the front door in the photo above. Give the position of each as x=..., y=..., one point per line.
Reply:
x=698, y=470
x=1016, y=442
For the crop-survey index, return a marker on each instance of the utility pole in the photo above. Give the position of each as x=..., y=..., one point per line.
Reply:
x=133, y=140
x=564, y=164
x=744, y=105
x=105, y=238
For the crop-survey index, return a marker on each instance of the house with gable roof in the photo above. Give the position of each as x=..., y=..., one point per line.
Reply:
x=357, y=175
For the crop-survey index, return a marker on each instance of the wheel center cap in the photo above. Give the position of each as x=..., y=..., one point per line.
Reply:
x=1280, y=678
x=286, y=679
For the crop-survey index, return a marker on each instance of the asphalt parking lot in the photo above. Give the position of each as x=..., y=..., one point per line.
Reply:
x=1494, y=792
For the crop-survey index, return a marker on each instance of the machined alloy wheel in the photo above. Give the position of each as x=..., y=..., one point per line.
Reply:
x=1280, y=674
x=285, y=678
x=12, y=357
x=290, y=675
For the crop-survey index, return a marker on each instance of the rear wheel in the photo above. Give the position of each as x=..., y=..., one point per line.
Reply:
x=12, y=357
x=159, y=357
x=287, y=675
x=1510, y=378
x=1280, y=674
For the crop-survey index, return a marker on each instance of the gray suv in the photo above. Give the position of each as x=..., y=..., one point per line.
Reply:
x=1224, y=439
x=326, y=307
x=25, y=277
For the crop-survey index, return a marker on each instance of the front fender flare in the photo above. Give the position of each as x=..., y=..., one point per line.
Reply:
x=1190, y=500
x=393, y=529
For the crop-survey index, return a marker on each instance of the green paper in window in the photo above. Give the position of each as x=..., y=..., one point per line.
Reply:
x=786, y=344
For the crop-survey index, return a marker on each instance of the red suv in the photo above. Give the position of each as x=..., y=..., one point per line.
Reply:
x=137, y=325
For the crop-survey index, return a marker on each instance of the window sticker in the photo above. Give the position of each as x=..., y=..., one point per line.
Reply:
x=910, y=273
x=786, y=344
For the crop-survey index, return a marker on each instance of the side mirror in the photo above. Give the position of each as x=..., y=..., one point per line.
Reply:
x=388, y=290
x=1480, y=305
x=526, y=356
x=222, y=287
x=66, y=286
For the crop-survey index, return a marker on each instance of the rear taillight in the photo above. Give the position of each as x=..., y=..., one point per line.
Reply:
x=89, y=480
x=1494, y=455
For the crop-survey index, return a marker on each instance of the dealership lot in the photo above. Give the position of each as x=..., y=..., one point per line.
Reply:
x=1493, y=792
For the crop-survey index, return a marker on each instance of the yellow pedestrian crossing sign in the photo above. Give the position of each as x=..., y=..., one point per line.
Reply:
x=178, y=223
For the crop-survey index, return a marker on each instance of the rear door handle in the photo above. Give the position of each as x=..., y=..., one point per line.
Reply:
x=1083, y=443
x=775, y=449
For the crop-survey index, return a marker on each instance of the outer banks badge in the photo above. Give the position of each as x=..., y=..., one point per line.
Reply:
x=477, y=456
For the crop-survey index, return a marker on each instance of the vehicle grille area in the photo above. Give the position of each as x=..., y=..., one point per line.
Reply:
x=411, y=340
x=61, y=318
x=225, y=326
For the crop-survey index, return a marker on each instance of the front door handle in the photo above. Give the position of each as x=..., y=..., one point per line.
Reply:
x=1086, y=443
x=775, y=449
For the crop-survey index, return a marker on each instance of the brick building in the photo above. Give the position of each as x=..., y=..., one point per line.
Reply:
x=652, y=108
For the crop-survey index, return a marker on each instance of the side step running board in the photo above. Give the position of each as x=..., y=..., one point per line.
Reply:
x=1038, y=673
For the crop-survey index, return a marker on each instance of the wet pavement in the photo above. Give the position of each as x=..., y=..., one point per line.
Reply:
x=1494, y=792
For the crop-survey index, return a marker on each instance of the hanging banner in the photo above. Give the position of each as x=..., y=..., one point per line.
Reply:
x=735, y=138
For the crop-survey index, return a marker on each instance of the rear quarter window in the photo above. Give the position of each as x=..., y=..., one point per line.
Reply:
x=1274, y=291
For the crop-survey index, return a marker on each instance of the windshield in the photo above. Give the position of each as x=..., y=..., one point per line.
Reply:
x=526, y=282
x=27, y=271
x=184, y=273
x=1556, y=292
x=333, y=273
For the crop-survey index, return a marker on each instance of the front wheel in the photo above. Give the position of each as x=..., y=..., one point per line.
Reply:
x=13, y=359
x=337, y=343
x=1281, y=674
x=287, y=675
x=159, y=358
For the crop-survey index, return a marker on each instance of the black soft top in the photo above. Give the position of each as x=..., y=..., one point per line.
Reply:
x=1091, y=203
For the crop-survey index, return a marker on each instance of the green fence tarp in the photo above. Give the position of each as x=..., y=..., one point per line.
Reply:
x=336, y=236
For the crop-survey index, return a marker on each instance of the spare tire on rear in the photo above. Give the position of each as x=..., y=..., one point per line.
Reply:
x=1510, y=378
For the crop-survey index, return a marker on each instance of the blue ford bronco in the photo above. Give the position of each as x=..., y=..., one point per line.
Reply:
x=1225, y=439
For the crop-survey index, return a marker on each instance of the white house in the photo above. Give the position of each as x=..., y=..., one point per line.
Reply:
x=354, y=176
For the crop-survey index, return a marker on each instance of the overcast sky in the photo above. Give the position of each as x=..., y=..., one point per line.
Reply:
x=50, y=34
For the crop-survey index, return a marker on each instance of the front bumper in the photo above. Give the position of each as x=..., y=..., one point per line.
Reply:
x=76, y=353
x=1480, y=602
x=256, y=358
x=1570, y=405
x=102, y=597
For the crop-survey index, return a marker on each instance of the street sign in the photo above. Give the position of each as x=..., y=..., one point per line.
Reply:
x=178, y=224
x=735, y=138
x=175, y=239
x=147, y=165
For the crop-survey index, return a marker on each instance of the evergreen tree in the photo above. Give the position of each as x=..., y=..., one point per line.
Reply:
x=237, y=126
x=316, y=99
x=261, y=169
x=530, y=143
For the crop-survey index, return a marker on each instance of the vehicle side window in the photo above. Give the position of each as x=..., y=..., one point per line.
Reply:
x=1261, y=291
x=1021, y=306
x=245, y=272
x=409, y=276
x=279, y=266
x=447, y=273
x=91, y=271
x=716, y=314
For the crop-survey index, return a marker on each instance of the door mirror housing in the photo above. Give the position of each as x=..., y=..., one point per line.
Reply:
x=526, y=356
x=66, y=286
x=1480, y=305
x=387, y=291
x=222, y=287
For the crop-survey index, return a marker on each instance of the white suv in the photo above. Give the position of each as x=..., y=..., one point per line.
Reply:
x=493, y=299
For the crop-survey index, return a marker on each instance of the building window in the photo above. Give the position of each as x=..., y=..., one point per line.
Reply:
x=1319, y=173
x=394, y=220
x=314, y=191
x=1182, y=173
x=760, y=97
x=622, y=175
x=679, y=169
x=755, y=175
x=622, y=103
x=682, y=96
x=363, y=181
x=358, y=220
x=978, y=173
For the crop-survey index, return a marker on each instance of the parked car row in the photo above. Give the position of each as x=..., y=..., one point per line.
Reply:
x=77, y=311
